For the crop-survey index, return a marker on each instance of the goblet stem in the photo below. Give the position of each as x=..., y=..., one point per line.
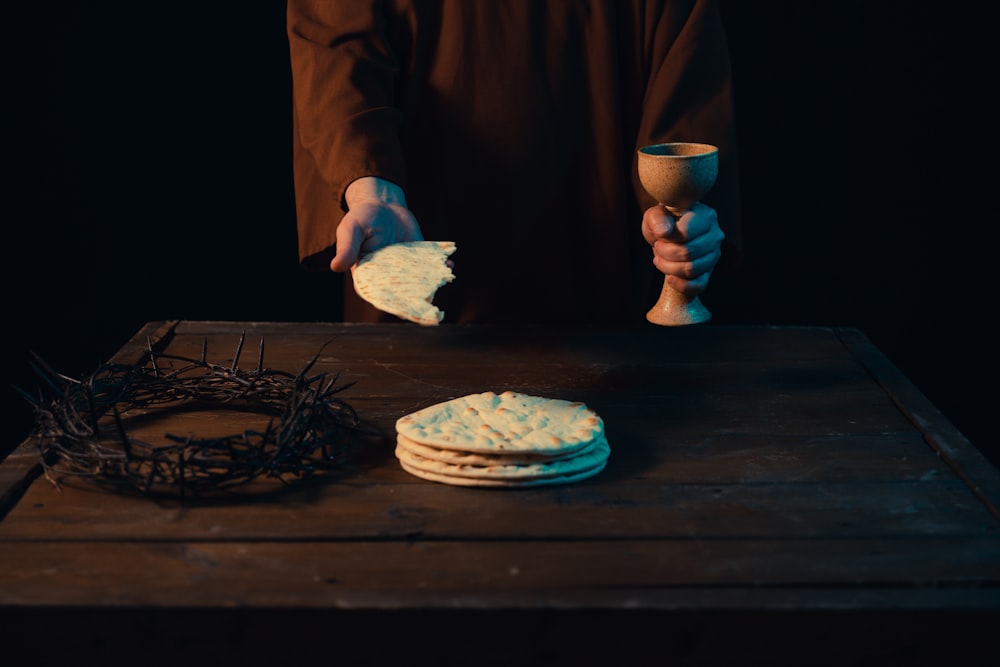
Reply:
x=674, y=308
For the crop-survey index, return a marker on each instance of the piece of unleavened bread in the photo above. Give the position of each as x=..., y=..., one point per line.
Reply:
x=402, y=279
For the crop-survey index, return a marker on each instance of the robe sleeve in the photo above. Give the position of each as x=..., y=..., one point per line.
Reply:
x=345, y=124
x=689, y=97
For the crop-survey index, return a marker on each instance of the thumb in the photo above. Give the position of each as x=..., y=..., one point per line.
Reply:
x=658, y=224
x=349, y=239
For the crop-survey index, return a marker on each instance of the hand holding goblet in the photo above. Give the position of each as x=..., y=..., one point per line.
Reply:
x=678, y=175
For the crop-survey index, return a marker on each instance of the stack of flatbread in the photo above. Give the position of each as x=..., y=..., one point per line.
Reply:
x=502, y=440
x=402, y=279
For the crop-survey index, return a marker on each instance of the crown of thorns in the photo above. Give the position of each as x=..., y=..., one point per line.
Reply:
x=76, y=435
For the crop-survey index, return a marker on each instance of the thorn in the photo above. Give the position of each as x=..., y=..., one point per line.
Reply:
x=152, y=355
x=239, y=348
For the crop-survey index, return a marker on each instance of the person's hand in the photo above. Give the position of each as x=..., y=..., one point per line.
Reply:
x=376, y=216
x=685, y=250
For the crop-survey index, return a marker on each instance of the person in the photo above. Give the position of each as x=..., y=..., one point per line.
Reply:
x=510, y=127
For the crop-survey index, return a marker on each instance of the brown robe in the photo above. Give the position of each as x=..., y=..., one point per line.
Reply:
x=512, y=126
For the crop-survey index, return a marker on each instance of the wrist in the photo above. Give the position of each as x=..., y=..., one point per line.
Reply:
x=373, y=189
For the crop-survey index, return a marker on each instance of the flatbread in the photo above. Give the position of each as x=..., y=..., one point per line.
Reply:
x=500, y=483
x=511, y=422
x=402, y=279
x=595, y=457
x=456, y=457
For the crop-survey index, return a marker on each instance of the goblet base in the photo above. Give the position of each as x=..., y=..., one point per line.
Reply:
x=673, y=308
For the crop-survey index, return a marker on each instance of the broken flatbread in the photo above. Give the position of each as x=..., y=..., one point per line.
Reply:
x=510, y=422
x=402, y=279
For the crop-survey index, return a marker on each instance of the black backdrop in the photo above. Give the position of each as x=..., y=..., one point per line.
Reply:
x=149, y=178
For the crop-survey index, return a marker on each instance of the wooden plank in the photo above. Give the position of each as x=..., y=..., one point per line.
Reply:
x=734, y=398
x=524, y=574
x=484, y=345
x=611, y=509
x=650, y=344
x=709, y=459
x=712, y=461
x=645, y=443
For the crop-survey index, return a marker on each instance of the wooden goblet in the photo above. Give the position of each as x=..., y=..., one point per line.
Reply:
x=677, y=175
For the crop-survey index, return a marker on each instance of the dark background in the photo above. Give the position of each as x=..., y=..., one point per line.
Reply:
x=149, y=178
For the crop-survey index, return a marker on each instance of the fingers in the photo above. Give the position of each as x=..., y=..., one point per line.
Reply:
x=687, y=249
x=691, y=250
x=689, y=276
x=689, y=269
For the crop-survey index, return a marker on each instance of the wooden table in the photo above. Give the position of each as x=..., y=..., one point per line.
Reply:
x=771, y=493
